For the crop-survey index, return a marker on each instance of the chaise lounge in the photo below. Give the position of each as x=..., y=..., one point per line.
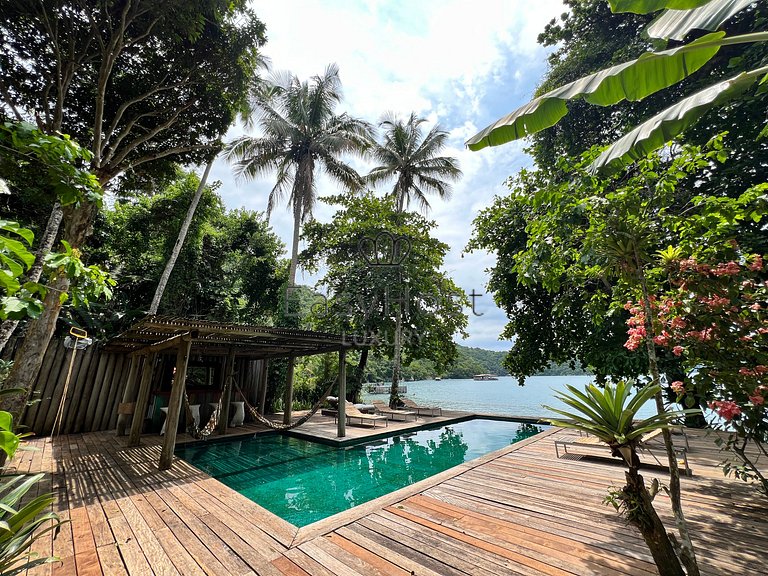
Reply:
x=352, y=412
x=585, y=445
x=428, y=410
x=388, y=412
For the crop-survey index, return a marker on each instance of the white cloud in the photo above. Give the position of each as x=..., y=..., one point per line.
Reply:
x=462, y=64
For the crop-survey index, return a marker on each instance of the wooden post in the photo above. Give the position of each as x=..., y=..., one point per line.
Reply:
x=288, y=398
x=142, y=400
x=226, y=391
x=342, y=419
x=174, y=404
x=129, y=397
x=264, y=377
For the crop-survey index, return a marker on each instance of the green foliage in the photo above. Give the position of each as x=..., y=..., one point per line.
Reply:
x=364, y=297
x=23, y=524
x=656, y=71
x=61, y=161
x=146, y=83
x=228, y=269
x=15, y=257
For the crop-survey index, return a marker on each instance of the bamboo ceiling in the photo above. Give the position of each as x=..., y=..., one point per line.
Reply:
x=214, y=338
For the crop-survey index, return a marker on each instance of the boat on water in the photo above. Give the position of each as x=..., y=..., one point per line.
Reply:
x=485, y=377
x=438, y=378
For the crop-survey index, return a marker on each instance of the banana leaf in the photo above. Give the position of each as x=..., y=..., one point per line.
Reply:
x=648, y=6
x=633, y=80
x=669, y=123
x=676, y=24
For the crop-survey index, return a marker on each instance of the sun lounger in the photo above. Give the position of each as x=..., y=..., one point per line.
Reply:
x=590, y=445
x=382, y=408
x=427, y=410
x=353, y=413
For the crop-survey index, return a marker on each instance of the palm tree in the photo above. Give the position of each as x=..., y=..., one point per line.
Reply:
x=412, y=160
x=607, y=415
x=300, y=133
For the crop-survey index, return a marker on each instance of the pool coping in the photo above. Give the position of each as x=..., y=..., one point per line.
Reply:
x=310, y=531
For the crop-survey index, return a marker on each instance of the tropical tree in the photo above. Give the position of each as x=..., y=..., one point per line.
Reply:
x=139, y=86
x=610, y=415
x=301, y=133
x=637, y=79
x=411, y=158
x=376, y=256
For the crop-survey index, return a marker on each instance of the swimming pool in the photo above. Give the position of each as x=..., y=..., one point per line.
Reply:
x=303, y=482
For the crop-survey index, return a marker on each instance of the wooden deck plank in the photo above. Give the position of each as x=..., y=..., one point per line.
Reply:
x=520, y=511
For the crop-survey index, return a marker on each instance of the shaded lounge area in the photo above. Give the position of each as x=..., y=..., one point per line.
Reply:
x=219, y=368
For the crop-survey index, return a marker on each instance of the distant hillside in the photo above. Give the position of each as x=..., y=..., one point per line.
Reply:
x=470, y=361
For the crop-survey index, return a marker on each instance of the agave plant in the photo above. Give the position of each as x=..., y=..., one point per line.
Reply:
x=609, y=414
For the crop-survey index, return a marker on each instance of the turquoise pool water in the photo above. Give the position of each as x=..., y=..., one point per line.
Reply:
x=304, y=482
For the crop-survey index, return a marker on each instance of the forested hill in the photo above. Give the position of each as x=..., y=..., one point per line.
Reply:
x=470, y=361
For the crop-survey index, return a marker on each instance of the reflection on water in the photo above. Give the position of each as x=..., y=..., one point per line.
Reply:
x=303, y=482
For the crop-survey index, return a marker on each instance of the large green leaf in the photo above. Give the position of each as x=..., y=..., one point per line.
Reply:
x=676, y=24
x=633, y=80
x=648, y=6
x=665, y=126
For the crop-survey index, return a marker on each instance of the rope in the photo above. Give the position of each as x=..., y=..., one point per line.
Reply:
x=268, y=423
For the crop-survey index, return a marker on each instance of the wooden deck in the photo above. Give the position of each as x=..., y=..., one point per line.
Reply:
x=517, y=511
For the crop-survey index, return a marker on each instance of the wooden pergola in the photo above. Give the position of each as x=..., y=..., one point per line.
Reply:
x=155, y=334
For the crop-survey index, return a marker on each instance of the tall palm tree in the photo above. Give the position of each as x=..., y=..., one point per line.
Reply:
x=412, y=160
x=300, y=133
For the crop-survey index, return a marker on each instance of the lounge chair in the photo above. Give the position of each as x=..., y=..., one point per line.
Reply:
x=352, y=412
x=428, y=410
x=585, y=445
x=388, y=412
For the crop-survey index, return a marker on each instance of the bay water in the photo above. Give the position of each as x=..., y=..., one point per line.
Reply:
x=503, y=396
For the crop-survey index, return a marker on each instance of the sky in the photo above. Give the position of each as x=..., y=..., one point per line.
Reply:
x=458, y=64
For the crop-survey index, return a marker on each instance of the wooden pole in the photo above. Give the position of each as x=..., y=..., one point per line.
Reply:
x=129, y=397
x=342, y=419
x=226, y=391
x=174, y=404
x=264, y=377
x=142, y=400
x=288, y=399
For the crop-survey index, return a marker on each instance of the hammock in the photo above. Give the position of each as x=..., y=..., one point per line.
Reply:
x=268, y=423
x=213, y=421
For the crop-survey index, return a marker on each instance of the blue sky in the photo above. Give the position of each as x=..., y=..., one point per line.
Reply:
x=457, y=63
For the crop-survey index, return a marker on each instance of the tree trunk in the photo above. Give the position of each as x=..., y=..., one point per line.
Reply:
x=647, y=521
x=687, y=553
x=179, y=241
x=354, y=393
x=27, y=361
x=8, y=327
x=294, y=247
x=394, y=397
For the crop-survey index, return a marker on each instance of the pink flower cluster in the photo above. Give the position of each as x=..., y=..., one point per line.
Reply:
x=727, y=269
x=757, y=263
x=678, y=387
x=726, y=409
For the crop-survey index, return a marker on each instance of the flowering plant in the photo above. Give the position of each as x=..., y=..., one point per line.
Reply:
x=713, y=318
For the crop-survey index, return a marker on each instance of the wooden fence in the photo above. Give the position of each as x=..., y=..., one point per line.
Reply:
x=95, y=389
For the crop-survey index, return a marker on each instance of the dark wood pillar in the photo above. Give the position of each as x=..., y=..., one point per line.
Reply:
x=264, y=383
x=342, y=419
x=174, y=403
x=288, y=398
x=226, y=391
